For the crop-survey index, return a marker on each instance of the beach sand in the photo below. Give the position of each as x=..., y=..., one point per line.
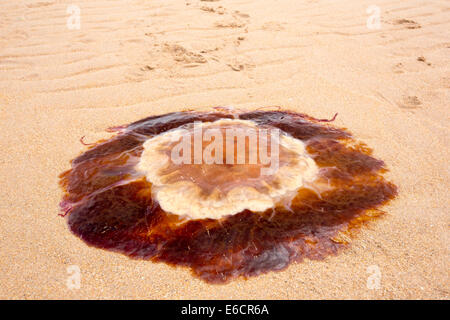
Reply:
x=135, y=58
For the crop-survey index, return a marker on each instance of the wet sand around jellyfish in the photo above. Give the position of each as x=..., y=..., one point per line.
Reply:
x=110, y=202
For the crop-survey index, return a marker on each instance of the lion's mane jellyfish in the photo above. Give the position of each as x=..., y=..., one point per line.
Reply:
x=216, y=192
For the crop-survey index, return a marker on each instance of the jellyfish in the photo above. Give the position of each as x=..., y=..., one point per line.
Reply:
x=227, y=193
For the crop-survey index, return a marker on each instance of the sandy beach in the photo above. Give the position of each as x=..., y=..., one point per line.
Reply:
x=61, y=80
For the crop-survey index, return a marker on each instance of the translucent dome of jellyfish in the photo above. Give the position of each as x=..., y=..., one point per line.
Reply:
x=226, y=193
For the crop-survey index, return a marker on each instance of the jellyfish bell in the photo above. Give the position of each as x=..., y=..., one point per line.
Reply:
x=246, y=168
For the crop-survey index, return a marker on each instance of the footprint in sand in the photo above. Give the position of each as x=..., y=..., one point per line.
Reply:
x=237, y=42
x=422, y=59
x=236, y=19
x=410, y=102
x=182, y=55
x=236, y=66
x=230, y=23
x=240, y=64
x=162, y=57
x=207, y=9
x=147, y=68
x=409, y=24
x=219, y=10
x=241, y=14
x=398, y=68
x=272, y=26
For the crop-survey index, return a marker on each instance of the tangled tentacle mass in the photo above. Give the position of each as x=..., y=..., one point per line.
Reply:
x=110, y=204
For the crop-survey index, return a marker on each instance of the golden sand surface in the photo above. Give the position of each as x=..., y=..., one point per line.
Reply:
x=135, y=58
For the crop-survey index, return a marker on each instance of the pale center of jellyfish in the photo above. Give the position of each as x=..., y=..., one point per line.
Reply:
x=220, y=168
